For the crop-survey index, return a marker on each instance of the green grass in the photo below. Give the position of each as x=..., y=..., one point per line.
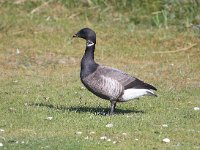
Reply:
x=42, y=80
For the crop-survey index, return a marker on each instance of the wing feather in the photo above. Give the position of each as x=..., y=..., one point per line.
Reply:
x=123, y=78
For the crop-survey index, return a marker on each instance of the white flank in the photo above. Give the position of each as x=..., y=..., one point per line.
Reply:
x=135, y=93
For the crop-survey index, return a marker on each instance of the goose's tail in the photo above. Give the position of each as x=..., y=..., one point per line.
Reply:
x=136, y=93
x=151, y=93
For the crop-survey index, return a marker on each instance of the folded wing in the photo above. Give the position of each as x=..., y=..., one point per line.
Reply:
x=124, y=79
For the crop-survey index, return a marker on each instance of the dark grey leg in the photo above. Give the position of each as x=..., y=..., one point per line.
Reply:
x=113, y=105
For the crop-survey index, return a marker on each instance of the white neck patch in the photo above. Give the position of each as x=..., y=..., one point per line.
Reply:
x=89, y=43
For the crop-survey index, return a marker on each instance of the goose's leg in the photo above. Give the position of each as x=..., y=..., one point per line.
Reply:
x=113, y=105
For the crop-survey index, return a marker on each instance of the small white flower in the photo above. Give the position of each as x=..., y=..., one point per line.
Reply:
x=196, y=108
x=49, y=118
x=79, y=133
x=103, y=138
x=136, y=139
x=178, y=144
x=86, y=138
x=48, y=18
x=128, y=116
x=114, y=142
x=165, y=125
x=1, y=144
x=109, y=125
x=108, y=140
x=22, y=142
x=92, y=132
x=83, y=88
x=2, y=130
x=166, y=140
x=17, y=51
x=124, y=133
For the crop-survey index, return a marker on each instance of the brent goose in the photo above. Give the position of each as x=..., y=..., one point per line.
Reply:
x=106, y=82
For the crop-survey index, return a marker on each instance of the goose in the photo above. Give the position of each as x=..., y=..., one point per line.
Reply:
x=106, y=82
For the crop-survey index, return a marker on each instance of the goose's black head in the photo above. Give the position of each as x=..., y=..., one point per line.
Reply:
x=87, y=34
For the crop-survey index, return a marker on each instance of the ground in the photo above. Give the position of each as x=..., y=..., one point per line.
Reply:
x=43, y=104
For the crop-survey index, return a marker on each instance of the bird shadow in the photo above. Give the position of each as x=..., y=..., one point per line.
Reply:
x=84, y=109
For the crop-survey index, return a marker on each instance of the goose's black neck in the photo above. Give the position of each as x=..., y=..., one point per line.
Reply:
x=88, y=65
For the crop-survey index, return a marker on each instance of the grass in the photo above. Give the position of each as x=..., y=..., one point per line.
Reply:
x=39, y=63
